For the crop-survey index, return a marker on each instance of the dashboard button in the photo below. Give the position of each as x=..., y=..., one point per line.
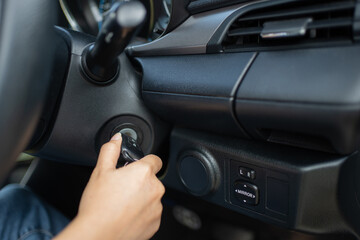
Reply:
x=247, y=173
x=247, y=193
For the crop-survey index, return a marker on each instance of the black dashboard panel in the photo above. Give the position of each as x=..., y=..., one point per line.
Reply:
x=292, y=94
x=321, y=75
x=88, y=124
x=291, y=97
x=297, y=96
x=196, y=90
x=191, y=37
x=205, y=75
x=287, y=91
x=219, y=102
x=295, y=188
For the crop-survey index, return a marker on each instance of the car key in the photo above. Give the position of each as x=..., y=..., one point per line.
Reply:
x=130, y=151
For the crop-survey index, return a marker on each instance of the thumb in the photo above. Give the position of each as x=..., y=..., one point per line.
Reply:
x=110, y=153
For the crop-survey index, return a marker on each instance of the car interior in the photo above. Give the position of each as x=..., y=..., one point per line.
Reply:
x=252, y=105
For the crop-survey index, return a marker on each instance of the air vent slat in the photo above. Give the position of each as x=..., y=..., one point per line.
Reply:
x=245, y=31
x=301, y=11
x=346, y=22
x=329, y=23
x=319, y=24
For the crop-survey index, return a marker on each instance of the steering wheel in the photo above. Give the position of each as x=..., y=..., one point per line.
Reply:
x=26, y=54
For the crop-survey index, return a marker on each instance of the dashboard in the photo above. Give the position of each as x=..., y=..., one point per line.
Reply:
x=257, y=101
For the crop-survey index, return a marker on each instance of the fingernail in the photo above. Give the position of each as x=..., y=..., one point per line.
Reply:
x=116, y=137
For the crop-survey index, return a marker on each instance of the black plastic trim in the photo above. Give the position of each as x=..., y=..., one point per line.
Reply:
x=311, y=178
x=295, y=96
x=200, y=87
x=178, y=15
x=200, y=112
x=204, y=75
x=190, y=37
x=86, y=110
x=215, y=43
x=57, y=84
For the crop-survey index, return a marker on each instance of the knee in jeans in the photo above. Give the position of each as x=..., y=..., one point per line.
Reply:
x=14, y=193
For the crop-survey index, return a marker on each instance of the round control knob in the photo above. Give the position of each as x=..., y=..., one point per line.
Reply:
x=198, y=173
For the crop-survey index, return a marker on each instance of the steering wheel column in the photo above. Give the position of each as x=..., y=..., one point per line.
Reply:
x=89, y=112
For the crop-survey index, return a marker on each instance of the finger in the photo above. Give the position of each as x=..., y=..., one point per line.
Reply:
x=110, y=153
x=154, y=162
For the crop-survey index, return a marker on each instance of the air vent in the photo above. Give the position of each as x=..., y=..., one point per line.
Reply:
x=293, y=24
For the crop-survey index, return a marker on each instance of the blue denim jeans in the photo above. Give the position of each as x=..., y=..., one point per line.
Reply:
x=23, y=216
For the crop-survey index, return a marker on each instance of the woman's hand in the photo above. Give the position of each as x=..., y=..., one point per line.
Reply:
x=122, y=203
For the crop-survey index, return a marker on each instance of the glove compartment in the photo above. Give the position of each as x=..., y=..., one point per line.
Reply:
x=307, y=98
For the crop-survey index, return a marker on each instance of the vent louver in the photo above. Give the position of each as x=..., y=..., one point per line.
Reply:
x=304, y=23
